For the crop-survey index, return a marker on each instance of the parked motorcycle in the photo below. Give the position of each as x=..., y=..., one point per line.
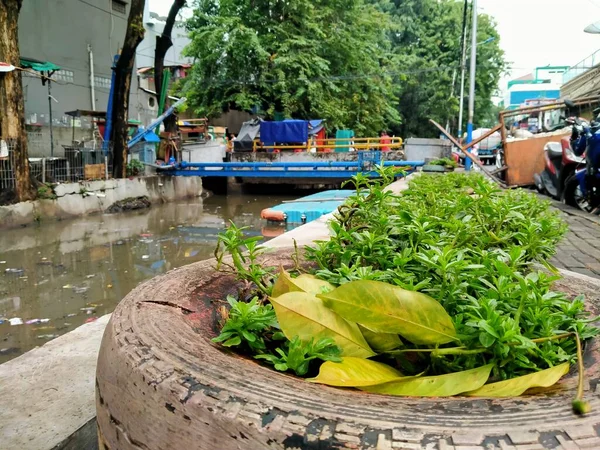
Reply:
x=582, y=188
x=561, y=162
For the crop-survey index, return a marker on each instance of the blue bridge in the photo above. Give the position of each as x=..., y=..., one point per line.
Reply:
x=331, y=169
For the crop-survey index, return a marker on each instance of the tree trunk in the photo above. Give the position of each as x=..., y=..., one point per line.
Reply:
x=163, y=43
x=12, y=109
x=123, y=73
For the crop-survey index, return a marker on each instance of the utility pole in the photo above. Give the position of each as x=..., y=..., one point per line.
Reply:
x=472, y=83
x=463, y=66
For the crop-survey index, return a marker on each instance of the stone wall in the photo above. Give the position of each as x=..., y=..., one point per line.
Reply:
x=79, y=199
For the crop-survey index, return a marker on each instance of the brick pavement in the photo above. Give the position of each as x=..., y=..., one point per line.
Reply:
x=579, y=251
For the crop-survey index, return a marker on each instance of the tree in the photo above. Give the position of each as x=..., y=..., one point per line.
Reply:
x=163, y=43
x=12, y=110
x=300, y=58
x=122, y=86
x=426, y=44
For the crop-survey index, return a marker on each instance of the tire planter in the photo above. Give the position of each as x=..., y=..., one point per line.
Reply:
x=162, y=384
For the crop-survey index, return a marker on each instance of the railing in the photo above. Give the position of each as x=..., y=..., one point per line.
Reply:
x=332, y=169
x=77, y=164
x=582, y=67
x=330, y=145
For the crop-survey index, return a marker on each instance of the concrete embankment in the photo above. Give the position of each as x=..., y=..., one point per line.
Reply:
x=79, y=199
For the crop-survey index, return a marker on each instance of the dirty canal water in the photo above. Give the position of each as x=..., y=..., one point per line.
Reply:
x=56, y=276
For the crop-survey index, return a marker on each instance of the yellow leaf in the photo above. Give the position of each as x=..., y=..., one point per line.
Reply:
x=304, y=283
x=381, y=342
x=353, y=372
x=384, y=308
x=516, y=386
x=304, y=315
x=436, y=386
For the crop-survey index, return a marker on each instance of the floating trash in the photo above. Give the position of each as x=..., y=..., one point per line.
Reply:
x=15, y=271
x=47, y=336
x=16, y=321
x=71, y=315
x=88, y=310
x=80, y=289
x=91, y=275
x=2, y=262
x=109, y=286
x=36, y=321
x=68, y=286
x=91, y=319
x=146, y=235
x=145, y=256
x=9, y=350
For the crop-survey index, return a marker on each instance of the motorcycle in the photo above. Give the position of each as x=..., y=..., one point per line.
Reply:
x=561, y=162
x=582, y=188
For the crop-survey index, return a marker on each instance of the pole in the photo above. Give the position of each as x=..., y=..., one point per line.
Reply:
x=50, y=111
x=463, y=65
x=92, y=83
x=111, y=94
x=472, y=82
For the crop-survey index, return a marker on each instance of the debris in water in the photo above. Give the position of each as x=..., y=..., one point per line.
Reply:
x=109, y=286
x=71, y=315
x=80, y=289
x=146, y=235
x=88, y=310
x=15, y=271
x=145, y=256
x=9, y=350
x=94, y=305
x=68, y=286
x=91, y=275
x=91, y=319
x=42, y=282
x=191, y=253
x=47, y=336
x=2, y=262
x=16, y=321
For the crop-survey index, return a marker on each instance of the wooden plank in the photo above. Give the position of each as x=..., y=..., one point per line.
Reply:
x=473, y=158
x=93, y=171
x=501, y=169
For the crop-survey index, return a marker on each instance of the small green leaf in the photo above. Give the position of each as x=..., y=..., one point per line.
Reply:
x=304, y=315
x=381, y=342
x=233, y=342
x=486, y=339
x=353, y=372
x=384, y=308
x=436, y=386
x=516, y=386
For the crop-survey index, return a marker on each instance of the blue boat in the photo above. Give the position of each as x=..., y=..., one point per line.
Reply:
x=307, y=209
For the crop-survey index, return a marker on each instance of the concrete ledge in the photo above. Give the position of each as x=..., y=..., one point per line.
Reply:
x=47, y=394
x=79, y=199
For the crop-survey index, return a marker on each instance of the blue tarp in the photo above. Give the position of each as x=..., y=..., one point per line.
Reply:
x=286, y=132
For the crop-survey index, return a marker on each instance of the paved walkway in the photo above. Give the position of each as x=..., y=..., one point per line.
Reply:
x=579, y=251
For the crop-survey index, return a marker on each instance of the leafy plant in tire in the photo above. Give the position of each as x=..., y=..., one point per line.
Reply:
x=435, y=290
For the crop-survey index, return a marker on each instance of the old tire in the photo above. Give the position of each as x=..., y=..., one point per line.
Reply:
x=162, y=384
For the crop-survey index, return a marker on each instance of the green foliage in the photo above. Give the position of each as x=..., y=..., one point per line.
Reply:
x=244, y=253
x=298, y=58
x=471, y=247
x=134, y=168
x=427, y=46
x=45, y=191
x=446, y=162
x=298, y=354
x=246, y=324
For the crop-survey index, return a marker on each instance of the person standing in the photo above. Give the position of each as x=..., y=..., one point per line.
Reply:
x=385, y=141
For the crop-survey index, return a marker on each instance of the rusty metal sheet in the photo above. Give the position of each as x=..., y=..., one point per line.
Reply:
x=526, y=157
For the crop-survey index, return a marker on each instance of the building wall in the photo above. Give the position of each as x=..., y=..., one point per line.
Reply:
x=60, y=31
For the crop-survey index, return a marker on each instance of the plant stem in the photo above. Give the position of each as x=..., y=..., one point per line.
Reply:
x=580, y=406
x=440, y=351
x=553, y=338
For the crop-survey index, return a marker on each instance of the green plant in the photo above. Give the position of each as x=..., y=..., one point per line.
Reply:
x=244, y=252
x=246, y=324
x=446, y=162
x=134, y=167
x=297, y=354
x=45, y=191
x=436, y=286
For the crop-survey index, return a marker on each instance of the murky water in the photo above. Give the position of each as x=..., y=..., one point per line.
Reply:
x=59, y=275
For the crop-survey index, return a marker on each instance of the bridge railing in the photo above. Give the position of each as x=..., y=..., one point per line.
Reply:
x=331, y=145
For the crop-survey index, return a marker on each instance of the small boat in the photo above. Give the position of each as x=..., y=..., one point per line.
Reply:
x=307, y=209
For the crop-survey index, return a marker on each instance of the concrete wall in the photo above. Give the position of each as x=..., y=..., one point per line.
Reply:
x=417, y=149
x=78, y=199
x=59, y=31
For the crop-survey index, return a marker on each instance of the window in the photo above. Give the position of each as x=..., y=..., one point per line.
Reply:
x=101, y=82
x=64, y=75
x=119, y=6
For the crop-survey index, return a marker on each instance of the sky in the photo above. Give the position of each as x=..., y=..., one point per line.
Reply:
x=532, y=32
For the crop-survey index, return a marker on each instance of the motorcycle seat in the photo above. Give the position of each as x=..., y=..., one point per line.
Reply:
x=554, y=149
